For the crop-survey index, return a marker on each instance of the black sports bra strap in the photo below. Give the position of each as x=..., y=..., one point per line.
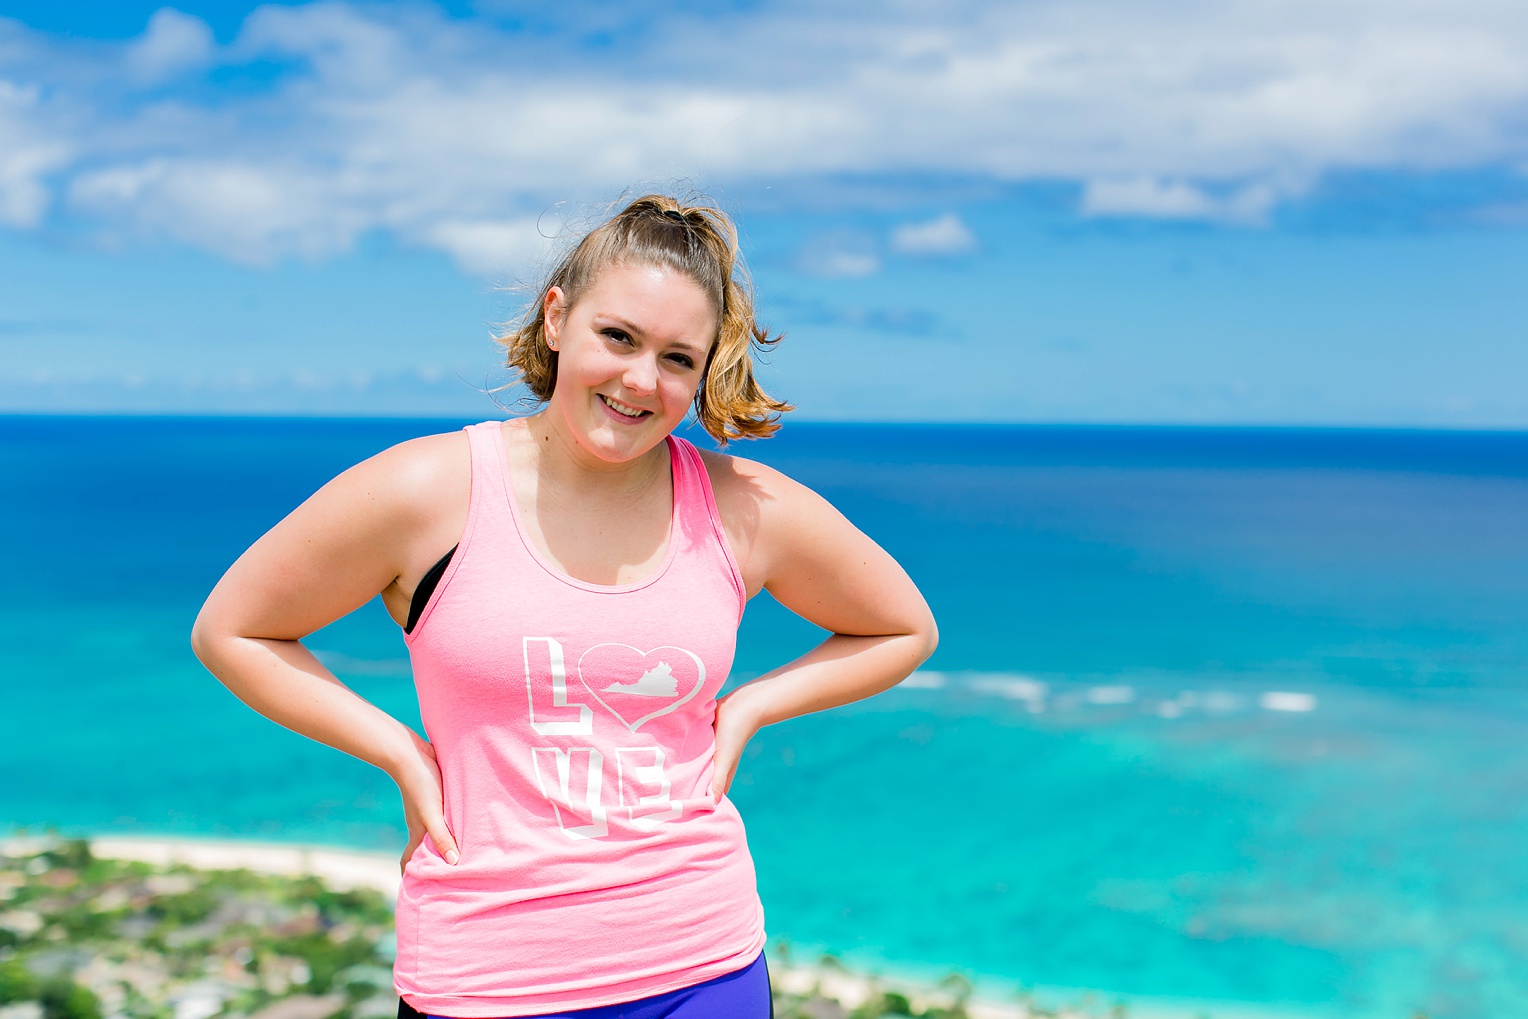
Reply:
x=427, y=585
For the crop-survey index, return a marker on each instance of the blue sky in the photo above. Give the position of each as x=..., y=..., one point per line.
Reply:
x=1251, y=212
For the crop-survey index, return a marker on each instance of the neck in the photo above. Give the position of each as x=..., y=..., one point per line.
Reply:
x=568, y=466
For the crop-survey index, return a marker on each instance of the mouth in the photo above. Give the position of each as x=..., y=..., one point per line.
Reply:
x=625, y=411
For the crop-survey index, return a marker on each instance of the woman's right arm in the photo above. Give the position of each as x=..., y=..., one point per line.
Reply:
x=356, y=537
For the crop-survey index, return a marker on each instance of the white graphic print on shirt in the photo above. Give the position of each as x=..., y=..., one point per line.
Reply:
x=649, y=684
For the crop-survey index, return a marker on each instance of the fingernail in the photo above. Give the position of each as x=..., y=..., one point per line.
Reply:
x=452, y=856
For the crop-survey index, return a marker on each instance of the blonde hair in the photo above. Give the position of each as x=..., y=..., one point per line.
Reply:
x=699, y=241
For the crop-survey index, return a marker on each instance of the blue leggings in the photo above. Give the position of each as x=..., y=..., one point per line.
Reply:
x=741, y=994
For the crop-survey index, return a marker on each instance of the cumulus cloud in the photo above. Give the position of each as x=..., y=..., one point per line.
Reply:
x=835, y=264
x=491, y=247
x=451, y=134
x=839, y=254
x=173, y=42
x=1247, y=203
x=946, y=235
x=27, y=154
x=246, y=212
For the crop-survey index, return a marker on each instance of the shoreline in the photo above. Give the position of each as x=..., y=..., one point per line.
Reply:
x=341, y=869
x=344, y=869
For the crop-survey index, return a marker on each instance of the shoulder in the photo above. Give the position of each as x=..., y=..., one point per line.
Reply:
x=419, y=463
x=414, y=477
x=763, y=510
x=738, y=481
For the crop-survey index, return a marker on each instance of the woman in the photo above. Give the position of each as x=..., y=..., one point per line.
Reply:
x=570, y=584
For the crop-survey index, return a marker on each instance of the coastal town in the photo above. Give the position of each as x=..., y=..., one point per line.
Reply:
x=87, y=936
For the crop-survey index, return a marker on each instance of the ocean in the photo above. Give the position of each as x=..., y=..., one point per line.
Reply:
x=1230, y=719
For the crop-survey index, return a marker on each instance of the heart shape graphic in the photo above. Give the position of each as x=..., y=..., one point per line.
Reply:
x=638, y=686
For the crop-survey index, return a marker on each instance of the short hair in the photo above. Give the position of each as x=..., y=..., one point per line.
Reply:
x=700, y=241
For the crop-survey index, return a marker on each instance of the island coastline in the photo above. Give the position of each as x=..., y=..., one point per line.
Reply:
x=827, y=980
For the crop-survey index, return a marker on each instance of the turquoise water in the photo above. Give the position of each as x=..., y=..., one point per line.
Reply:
x=1097, y=782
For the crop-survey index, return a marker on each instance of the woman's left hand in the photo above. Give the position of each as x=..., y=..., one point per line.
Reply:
x=792, y=542
x=734, y=727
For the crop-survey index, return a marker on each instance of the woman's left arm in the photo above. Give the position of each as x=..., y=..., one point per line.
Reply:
x=795, y=544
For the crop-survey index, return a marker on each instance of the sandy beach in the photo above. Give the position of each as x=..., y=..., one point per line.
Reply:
x=342, y=869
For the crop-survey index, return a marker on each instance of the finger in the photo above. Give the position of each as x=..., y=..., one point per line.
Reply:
x=408, y=850
x=444, y=843
x=408, y=853
x=722, y=766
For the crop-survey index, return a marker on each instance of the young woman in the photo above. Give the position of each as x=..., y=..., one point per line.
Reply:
x=570, y=586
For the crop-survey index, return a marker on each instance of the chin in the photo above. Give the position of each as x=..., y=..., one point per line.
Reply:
x=621, y=442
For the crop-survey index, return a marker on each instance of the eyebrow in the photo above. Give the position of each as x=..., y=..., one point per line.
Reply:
x=632, y=327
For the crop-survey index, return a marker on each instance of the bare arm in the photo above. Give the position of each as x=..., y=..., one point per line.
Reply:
x=792, y=542
x=351, y=540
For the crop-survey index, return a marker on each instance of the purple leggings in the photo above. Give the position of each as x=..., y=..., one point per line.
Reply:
x=741, y=994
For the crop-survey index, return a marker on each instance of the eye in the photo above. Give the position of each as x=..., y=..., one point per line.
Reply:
x=617, y=335
x=684, y=360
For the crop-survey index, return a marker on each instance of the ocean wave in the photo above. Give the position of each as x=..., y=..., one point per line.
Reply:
x=1284, y=700
x=1160, y=699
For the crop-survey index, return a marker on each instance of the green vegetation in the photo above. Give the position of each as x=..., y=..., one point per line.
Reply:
x=85, y=938
x=65, y=999
x=192, y=907
x=16, y=982
x=324, y=956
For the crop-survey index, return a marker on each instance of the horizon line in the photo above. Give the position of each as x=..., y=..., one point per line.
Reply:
x=689, y=423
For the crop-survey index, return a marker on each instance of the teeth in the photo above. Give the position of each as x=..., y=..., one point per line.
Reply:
x=620, y=407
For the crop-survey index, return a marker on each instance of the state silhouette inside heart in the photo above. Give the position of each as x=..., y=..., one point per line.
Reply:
x=639, y=686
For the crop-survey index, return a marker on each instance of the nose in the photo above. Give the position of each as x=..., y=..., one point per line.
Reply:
x=641, y=376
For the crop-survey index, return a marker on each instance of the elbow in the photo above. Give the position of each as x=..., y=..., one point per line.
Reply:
x=204, y=640
x=199, y=641
x=929, y=631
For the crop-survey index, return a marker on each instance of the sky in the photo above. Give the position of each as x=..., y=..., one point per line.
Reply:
x=1260, y=212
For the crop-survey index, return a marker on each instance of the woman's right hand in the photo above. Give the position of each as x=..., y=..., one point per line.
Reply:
x=418, y=778
x=383, y=520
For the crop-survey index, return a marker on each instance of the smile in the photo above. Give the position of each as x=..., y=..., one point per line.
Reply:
x=622, y=409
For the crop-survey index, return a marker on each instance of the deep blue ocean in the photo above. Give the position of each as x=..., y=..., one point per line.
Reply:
x=1232, y=717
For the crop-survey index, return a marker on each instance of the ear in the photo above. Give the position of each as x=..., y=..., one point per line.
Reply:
x=554, y=312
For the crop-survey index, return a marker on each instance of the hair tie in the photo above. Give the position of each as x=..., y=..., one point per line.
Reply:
x=674, y=214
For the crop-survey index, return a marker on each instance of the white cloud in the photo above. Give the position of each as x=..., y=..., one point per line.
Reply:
x=448, y=134
x=247, y=213
x=843, y=254
x=1178, y=199
x=946, y=235
x=848, y=264
x=1147, y=196
x=490, y=248
x=27, y=154
x=173, y=42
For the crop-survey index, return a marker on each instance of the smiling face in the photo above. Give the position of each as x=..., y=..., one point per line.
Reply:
x=631, y=353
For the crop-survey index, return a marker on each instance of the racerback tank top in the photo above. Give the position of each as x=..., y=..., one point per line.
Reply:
x=573, y=726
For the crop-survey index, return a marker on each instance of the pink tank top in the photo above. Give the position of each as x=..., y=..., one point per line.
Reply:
x=573, y=725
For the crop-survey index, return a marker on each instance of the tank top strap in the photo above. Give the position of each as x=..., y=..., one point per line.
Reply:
x=696, y=504
x=490, y=486
x=487, y=498
x=488, y=508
